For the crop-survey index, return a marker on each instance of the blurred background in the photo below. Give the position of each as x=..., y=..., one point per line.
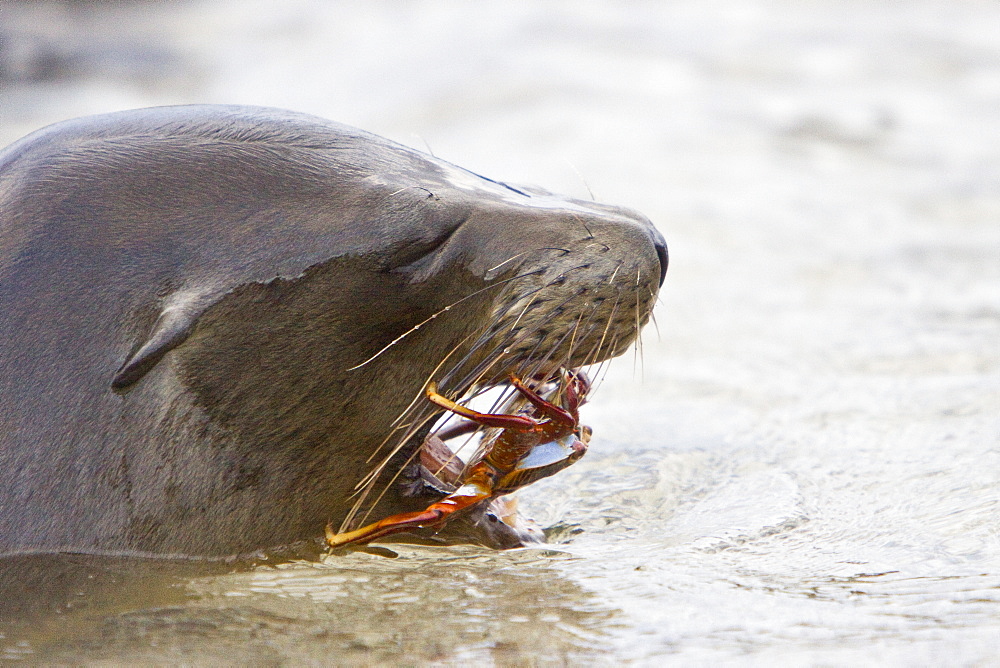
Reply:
x=802, y=460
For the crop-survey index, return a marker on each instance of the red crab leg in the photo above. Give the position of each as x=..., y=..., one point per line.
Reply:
x=547, y=408
x=435, y=514
x=455, y=430
x=518, y=422
x=576, y=389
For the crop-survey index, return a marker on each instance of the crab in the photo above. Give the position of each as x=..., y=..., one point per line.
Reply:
x=539, y=441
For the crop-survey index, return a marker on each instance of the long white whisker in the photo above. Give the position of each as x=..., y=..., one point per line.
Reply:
x=436, y=314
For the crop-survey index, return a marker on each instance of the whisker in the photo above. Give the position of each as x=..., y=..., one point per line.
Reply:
x=429, y=378
x=475, y=375
x=373, y=476
x=615, y=273
x=510, y=259
x=585, y=184
x=404, y=189
x=638, y=329
x=488, y=336
x=602, y=369
x=365, y=485
x=543, y=361
x=439, y=312
x=505, y=343
x=607, y=327
x=405, y=411
x=582, y=330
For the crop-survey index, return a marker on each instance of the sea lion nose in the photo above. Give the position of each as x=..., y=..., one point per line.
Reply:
x=661, y=251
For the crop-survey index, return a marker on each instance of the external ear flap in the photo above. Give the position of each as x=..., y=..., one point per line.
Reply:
x=171, y=328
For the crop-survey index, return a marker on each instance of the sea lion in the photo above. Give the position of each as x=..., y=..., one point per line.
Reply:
x=215, y=321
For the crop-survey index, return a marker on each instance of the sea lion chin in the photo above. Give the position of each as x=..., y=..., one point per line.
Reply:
x=217, y=321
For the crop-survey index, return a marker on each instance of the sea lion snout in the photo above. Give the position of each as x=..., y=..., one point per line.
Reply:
x=645, y=234
x=575, y=281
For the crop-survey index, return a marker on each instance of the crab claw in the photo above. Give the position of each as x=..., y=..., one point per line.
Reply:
x=543, y=460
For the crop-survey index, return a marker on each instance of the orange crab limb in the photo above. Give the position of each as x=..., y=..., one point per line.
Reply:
x=485, y=419
x=526, y=449
x=547, y=408
x=467, y=495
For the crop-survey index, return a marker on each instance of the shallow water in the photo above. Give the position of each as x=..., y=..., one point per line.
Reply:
x=802, y=465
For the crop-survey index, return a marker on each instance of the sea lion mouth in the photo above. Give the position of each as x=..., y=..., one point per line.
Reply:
x=561, y=309
x=534, y=434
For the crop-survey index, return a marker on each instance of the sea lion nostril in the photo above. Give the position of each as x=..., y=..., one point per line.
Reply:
x=661, y=252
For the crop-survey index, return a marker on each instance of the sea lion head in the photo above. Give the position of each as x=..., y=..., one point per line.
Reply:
x=554, y=282
x=219, y=320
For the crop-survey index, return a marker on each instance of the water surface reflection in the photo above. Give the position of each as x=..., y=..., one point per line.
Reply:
x=467, y=604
